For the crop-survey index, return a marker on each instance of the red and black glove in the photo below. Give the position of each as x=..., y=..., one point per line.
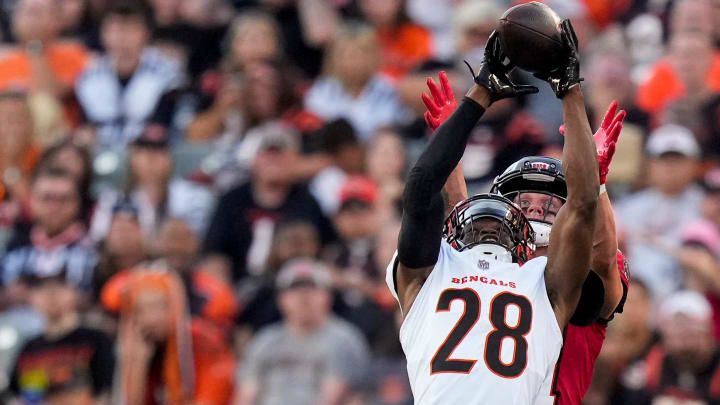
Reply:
x=442, y=104
x=606, y=138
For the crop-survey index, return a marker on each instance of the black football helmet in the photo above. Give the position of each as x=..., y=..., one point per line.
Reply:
x=533, y=174
x=490, y=219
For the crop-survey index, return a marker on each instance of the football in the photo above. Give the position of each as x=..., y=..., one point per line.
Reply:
x=530, y=36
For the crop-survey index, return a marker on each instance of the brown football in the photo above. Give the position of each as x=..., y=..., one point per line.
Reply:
x=530, y=36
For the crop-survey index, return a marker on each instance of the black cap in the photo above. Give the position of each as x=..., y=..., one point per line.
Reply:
x=36, y=279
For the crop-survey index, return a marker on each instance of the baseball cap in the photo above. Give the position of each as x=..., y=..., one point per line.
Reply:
x=672, y=138
x=704, y=233
x=688, y=303
x=358, y=191
x=152, y=136
x=303, y=272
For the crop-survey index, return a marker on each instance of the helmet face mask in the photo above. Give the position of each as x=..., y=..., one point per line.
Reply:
x=490, y=219
x=537, y=185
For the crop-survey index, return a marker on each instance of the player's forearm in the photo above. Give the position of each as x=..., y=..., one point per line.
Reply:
x=579, y=156
x=604, y=256
x=419, y=240
x=455, y=189
x=444, y=151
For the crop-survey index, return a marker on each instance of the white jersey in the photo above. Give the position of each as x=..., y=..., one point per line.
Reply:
x=479, y=331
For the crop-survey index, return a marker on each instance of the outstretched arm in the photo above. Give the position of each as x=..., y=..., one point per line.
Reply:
x=604, y=257
x=423, y=208
x=571, y=239
x=439, y=108
x=604, y=253
x=421, y=229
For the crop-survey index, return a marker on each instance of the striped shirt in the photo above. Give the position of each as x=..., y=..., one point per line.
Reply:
x=77, y=259
x=120, y=112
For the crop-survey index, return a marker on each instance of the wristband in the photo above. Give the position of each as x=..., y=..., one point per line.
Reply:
x=602, y=190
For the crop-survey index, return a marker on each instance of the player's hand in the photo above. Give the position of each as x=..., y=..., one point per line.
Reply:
x=495, y=70
x=567, y=74
x=442, y=104
x=606, y=138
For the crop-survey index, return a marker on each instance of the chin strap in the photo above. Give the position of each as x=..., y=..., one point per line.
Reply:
x=542, y=233
x=495, y=252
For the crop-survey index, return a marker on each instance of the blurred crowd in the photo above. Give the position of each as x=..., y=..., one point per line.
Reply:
x=199, y=198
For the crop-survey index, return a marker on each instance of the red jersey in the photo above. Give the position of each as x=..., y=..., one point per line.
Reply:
x=582, y=346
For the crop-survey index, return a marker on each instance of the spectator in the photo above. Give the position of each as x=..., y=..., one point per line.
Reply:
x=699, y=260
x=340, y=143
x=243, y=224
x=693, y=15
x=294, y=239
x=18, y=157
x=608, y=79
x=68, y=363
x=121, y=90
x=711, y=203
x=198, y=45
x=436, y=15
x=684, y=365
x=164, y=356
x=692, y=67
x=310, y=357
x=264, y=93
x=351, y=87
x=76, y=20
x=651, y=233
x=629, y=339
x=76, y=161
x=56, y=239
x=253, y=37
x=404, y=44
x=152, y=189
x=357, y=224
x=41, y=62
x=124, y=247
x=385, y=163
x=473, y=22
x=209, y=296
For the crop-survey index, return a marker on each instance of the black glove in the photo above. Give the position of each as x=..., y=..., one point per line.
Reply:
x=567, y=74
x=494, y=73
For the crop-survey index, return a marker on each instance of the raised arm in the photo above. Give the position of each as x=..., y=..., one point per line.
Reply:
x=421, y=229
x=604, y=253
x=439, y=108
x=571, y=239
